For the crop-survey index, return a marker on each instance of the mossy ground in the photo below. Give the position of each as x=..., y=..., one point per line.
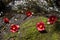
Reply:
x=29, y=32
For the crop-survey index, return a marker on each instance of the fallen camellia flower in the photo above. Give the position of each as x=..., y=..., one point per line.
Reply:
x=28, y=13
x=14, y=28
x=52, y=20
x=6, y=20
x=40, y=26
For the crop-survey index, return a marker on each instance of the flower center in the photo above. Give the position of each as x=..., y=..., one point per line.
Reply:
x=40, y=26
x=13, y=27
x=52, y=18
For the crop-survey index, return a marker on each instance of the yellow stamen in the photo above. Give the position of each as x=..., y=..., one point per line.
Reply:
x=40, y=26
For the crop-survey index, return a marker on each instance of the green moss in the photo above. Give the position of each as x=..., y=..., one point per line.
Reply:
x=29, y=32
x=55, y=36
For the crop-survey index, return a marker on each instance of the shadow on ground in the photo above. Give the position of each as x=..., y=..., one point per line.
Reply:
x=57, y=26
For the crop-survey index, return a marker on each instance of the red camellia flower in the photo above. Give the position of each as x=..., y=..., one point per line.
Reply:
x=14, y=28
x=40, y=26
x=28, y=13
x=52, y=19
x=6, y=20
